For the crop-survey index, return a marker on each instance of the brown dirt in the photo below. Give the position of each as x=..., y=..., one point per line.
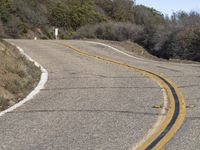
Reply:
x=18, y=76
x=138, y=51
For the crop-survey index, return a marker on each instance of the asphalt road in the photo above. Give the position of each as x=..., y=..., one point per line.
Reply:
x=92, y=105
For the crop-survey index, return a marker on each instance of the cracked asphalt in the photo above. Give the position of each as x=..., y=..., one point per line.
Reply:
x=91, y=105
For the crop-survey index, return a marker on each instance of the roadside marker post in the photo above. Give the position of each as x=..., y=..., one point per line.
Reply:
x=56, y=33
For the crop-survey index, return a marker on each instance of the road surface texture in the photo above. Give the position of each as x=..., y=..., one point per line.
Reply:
x=89, y=104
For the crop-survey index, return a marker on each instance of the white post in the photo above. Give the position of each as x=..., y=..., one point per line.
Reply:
x=56, y=33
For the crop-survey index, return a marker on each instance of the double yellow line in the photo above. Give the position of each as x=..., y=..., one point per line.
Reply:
x=176, y=109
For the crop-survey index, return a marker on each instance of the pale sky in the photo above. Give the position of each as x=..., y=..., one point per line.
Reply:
x=169, y=6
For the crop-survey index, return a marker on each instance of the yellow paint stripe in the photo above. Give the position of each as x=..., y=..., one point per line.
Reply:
x=163, y=85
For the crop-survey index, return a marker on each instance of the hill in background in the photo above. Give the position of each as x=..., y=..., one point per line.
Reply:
x=177, y=36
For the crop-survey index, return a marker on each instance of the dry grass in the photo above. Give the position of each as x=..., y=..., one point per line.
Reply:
x=128, y=47
x=138, y=51
x=18, y=76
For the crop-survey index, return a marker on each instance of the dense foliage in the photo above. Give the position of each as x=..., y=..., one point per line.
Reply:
x=177, y=36
x=74, y=15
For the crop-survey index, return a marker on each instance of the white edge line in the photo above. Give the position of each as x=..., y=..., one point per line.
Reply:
x=40, y=86
x=115, y=49
x=141, y=59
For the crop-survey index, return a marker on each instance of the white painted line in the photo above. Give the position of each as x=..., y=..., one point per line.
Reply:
x=43, y=80
x=115, y=49
x=141, y=59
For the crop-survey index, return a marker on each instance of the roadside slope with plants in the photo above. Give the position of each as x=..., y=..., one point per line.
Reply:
x=18, y=76
x=174, y=37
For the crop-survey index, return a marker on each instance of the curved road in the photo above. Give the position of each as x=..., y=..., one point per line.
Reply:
x=92, y=105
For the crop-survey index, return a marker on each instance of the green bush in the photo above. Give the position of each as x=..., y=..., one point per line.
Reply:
x=111, y=31
x=184, y=44
x=6, y=8
x=74, y=16
x=3, y=103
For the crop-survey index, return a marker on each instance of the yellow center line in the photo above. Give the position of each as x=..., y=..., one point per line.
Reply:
x=162, y=83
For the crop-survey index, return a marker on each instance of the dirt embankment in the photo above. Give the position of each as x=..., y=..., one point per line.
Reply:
x=138, y=51
x=18, y=76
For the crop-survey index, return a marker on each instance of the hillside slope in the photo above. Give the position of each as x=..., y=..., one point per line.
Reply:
x=17, y=76
x=27, y=19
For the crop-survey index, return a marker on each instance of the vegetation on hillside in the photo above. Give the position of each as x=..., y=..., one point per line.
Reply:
x=177, y=36
x=17, y=76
